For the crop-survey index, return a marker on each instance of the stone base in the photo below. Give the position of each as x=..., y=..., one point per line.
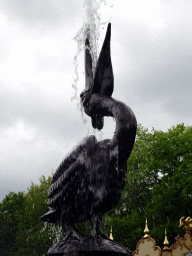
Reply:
x=93, y=253
x=78, y=244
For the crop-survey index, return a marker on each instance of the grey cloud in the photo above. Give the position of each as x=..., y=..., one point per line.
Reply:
x=31, y=108
x=162, y=69
x=45, y=12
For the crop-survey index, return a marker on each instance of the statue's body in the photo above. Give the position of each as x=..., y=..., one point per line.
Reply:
x=90, y=180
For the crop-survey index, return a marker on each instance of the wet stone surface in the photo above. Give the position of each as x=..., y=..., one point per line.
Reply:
x=84, y=245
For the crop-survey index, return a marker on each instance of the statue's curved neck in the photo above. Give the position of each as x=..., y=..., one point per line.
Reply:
x=126, y=125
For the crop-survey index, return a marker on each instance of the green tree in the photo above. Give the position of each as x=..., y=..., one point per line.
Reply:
x=11, y=208
x=21, y=230
x=173, y=197
x=35, y=237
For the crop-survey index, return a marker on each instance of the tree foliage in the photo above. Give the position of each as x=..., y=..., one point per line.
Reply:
x=10, y=209
x=31, y=239
x=21, y=230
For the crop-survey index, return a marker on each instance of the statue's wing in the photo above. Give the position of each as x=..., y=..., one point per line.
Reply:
x=68, y=181
x=104, y=80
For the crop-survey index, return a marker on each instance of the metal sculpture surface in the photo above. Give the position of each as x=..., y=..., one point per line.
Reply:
x=187, y=223
x=90, y=180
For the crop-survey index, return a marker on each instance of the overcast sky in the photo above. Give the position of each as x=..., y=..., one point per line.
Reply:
x=151, y=52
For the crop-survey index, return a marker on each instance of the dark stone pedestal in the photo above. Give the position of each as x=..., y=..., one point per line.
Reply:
x=93, y=253
x=78, y=244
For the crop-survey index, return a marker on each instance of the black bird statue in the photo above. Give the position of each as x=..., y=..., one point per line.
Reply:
x=90, y=180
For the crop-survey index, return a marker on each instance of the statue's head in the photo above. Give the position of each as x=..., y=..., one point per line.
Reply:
x=91, y=104
x=100, y=83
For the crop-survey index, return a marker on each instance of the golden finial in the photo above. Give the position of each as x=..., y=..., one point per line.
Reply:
x=166, y=242
x=111, y=236
x=146, y=231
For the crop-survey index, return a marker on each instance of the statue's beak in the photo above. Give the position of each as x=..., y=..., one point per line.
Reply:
x=97, y=122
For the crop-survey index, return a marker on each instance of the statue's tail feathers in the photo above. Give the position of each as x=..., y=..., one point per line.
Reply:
x=52, y=216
